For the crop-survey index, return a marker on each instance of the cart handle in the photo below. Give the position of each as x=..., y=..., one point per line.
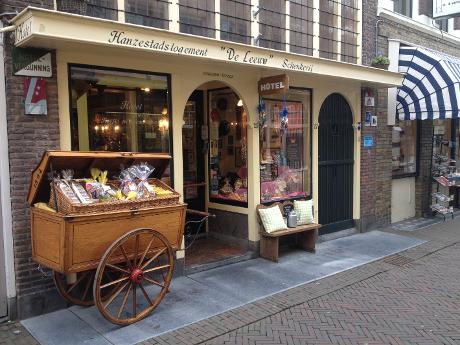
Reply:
x=201, y=213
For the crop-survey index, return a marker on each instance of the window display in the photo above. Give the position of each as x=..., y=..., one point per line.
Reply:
x=228, y=150
x=285, y=159
x=114, y=110
x=404, y=148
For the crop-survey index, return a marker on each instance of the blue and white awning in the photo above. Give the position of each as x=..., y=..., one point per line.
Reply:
x=431, y=86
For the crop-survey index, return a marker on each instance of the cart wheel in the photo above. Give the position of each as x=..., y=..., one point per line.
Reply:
x=79, y=292
x=144, y=260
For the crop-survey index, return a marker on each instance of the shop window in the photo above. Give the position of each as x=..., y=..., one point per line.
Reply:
x=235, y=21
x=105, y=9
x=228, y=148
x=301, y=27
x=272, y=24
x=403, y=7
x=197, y=17
x=152, y=13
x=115, y=110
x=404, y=149
x=328, y=29
x=285, y=153
x=445, y=151
x=349, y=40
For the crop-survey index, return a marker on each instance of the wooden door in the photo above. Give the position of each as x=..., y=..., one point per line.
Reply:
x=335, y=160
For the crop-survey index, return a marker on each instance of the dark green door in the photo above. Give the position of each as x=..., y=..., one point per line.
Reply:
x=335, y=160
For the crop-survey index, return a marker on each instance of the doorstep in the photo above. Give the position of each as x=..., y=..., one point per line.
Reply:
x=202, y=295
x=418, y=223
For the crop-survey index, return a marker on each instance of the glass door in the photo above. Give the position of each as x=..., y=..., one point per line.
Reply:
x=193, y=150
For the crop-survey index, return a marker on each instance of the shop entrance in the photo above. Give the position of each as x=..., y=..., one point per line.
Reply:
x=335, y=160
x=215, y=175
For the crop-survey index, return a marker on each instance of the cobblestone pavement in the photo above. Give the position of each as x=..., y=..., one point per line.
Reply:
x=408, y=298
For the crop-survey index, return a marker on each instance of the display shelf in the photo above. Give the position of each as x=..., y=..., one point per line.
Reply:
x=442, y=197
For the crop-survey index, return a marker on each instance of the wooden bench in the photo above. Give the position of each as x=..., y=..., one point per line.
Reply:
x=306, y=235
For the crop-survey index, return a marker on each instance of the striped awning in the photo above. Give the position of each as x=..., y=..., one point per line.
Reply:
x=431, y=86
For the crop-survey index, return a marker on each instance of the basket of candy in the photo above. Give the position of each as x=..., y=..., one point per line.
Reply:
x=134, y=190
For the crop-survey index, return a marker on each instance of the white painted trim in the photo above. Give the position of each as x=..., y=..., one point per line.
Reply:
x=359, y=39
x=338, y=37
x=173, y=11
x=121, y=10
x=254, y=22
x=217, y=18
x=287, y=31
x=316, y=28
x=393, y=55
x=399, y=18
x=5, y=199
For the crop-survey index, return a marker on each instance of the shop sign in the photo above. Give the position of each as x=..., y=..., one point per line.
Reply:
x=368, y=141
x=23, y=31
x=273, y=85
x=368, y=119
x=32, y=62
x=374, y=121
x=369, y=100
x=446, y=8
x=35, y=96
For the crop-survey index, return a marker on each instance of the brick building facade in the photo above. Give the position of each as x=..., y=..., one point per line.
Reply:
x=376, y=172
x=28, y=137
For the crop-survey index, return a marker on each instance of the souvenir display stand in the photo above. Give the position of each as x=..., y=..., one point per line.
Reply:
x=116, y=254
x=446, y=180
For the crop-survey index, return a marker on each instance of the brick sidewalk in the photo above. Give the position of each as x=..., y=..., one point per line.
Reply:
x=410, y=297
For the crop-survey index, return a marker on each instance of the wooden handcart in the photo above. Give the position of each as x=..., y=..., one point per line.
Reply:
x=120, y=259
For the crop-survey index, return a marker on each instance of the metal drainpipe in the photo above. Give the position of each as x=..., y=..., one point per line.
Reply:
x=5, y=199
x=377, y=35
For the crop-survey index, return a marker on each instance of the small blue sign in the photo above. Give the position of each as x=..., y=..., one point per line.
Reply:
x=368, y=141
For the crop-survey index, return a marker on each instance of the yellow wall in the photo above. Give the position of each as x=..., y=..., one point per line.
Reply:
x=186, y=75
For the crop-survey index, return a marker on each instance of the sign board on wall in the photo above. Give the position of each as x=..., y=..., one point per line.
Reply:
x=35, y=96
x=31, y=62
x=368, y=141
x=446, y=8
x=273, y=85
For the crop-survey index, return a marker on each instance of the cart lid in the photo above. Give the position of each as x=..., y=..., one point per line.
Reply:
x=81, y=163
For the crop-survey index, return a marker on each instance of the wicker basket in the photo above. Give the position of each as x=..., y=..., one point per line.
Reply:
x=58, y=198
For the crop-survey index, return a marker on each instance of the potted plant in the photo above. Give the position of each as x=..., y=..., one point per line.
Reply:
x=72, y=6
x=380, y=61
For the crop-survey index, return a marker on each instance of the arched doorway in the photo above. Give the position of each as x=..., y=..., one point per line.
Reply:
x=214, y=145
x=335, y=161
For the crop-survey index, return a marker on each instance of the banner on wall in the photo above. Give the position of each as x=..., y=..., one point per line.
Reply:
x=35, y=96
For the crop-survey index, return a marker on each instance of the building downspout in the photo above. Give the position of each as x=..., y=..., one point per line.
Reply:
x=5, y=199
x=377, y=36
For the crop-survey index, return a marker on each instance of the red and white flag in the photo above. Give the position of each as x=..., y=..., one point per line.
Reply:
x=35, y=96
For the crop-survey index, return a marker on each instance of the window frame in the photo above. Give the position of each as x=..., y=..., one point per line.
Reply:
x=309, y=196
x=409, y=15
x=117, y=69
x=417, y=154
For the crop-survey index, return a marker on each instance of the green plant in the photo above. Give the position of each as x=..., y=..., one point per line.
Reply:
x=380, y=60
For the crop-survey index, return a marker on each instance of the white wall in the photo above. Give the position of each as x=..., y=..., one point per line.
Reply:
x=402, y=199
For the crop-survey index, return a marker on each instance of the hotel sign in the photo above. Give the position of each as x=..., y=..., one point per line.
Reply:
x=273, y=85
x=446, y=8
